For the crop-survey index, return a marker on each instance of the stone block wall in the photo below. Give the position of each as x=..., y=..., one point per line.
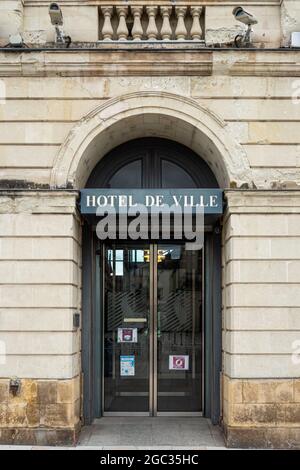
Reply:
x=40, y=272
x=81, y=20
x=256, y=94
x=43, y=412
x=261, y=321
x=11, y=19
x=221, y=26
x=262, y=413
x=290, y=19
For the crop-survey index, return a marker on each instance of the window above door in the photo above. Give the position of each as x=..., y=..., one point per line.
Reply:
x=152, y=163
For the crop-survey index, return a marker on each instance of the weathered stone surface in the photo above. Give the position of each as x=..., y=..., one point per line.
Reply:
x=233, y=390
x=254, y=414
x=259, y=392
x=221, y=26
x=17, y=436
x=255, y=438
x=16, y=414
x=245, y=438
x=47, y=392
x=290, y=19
x=3, y=414
x=4, y=391
x=38, y=407
x=297, y=391
x=223, y=35
x=285, y=392
x=239, y=110
x=42, y=437
x=37, y=37
x=85, y=17
x=292, y=414
x=57, y=415
x=12, y=15
x=262, y=307
x=283, y=438
x=28, y=392
x=33, y=414
x=68, y=391
x=65, y=392
x=267, y=417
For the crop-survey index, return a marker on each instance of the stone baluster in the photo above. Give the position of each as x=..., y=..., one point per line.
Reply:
x=180, y=31
x=196, y=30
x=152, y=31
x=122, y=30
x=166, y=31
x=137, y=29
x=107, y=30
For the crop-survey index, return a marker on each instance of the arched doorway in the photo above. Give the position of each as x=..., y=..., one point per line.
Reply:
x=151, y=310
x=156, y=114
x=152, y=163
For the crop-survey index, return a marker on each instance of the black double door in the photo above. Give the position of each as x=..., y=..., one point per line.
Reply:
x=153, y=329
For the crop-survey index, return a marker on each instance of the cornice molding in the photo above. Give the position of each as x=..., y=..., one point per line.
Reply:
x=37, y=3
x=266, y=69
x=149, y=62
x=105, y=63
x=258, y=201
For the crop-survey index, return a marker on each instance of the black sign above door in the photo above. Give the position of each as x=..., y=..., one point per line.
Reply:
x=211, y=200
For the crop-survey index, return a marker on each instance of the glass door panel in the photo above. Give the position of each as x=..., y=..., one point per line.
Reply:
x=152, y=329
x=126, y=328
x=179, y=329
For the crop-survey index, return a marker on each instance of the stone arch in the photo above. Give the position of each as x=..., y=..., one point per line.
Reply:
x=146, y=114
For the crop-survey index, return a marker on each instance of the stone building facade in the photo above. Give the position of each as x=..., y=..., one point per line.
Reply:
x=63, y=109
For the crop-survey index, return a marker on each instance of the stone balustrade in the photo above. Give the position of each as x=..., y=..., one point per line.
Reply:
x=133, y=22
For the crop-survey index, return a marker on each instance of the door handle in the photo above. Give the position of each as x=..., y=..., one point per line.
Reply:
x=135, y=320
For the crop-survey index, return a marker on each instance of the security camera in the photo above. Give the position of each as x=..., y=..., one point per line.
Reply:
x=16, y=40
x=244, y=40
x=56, y=17
x=55, y=14
x=243, y=16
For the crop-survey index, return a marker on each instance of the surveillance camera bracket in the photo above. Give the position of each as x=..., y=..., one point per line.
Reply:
x=248, y=34
x=244, y=39
x=61, y=38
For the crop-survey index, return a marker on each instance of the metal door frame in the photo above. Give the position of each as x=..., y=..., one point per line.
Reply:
x=153, y=340
x=153, y=404
x=151, y=343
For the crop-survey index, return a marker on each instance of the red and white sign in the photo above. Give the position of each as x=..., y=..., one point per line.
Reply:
x=127, y=335
x=178, y=362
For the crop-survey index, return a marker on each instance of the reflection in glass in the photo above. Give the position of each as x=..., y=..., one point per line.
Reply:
x=174, y=176
x=126, y=303
x=127, y=325
x=128, y=176
x=179, y=326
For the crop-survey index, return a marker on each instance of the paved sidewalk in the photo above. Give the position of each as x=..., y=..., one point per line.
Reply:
x=145, y=433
